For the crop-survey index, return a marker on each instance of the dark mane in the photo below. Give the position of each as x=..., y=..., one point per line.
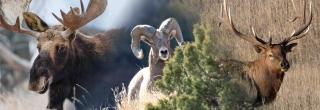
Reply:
x=97, y=45
x=87, y=59
x=89, y=53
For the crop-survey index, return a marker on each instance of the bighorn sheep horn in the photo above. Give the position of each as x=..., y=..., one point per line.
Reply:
x=141, y=32
x=171, y=27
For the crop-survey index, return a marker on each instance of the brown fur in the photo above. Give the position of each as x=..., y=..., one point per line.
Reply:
x=68, y=60
x=269, y=69
x=65, y=62
x=266, y=72
x=79, y=65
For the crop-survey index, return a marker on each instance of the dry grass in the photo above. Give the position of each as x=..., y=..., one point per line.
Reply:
x=300, y=88
x=22, y=99
x=137, y=104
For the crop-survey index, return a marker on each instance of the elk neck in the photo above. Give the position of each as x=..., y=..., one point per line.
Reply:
x=267, y=79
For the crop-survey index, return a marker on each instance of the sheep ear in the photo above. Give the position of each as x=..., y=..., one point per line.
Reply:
x=171, y=27
x=145, y=40
x=173, y=33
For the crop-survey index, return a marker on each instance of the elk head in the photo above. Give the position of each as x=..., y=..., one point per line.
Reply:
x=157, y=39
x=54, y=43
x=274, y=55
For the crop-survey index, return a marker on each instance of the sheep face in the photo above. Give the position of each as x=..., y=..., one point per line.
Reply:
x=157, y=39
x=163, y=45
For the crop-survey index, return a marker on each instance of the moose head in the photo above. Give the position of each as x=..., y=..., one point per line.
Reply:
x=55, y=43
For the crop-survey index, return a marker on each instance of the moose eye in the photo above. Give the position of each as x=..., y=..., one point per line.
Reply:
x=60, y=50
x=60, y=54
x=39, y=47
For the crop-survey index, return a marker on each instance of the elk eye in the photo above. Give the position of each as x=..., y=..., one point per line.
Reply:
x=270, y=56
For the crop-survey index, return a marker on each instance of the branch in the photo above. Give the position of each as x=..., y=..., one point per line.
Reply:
x=15, y=62
x=5, y=41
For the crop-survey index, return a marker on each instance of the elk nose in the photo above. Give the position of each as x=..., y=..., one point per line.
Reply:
x=164, y=52
x=285, y=65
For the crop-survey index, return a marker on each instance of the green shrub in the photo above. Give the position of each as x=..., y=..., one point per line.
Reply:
x=193, y=80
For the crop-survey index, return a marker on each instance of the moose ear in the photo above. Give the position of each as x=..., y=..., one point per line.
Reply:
x=290, y=47
x=258, y=48
x=34, y=22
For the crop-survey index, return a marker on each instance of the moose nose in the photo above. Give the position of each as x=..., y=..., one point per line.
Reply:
x=164, y=52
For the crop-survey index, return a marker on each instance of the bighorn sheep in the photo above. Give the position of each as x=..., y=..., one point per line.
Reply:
x=266, y=72
x=159, y=41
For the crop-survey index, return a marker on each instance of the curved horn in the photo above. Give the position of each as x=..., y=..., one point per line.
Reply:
x=141, y=32
x=171, y=27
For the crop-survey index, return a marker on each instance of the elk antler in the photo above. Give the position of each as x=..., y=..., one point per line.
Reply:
x=74, y=19
x=226, y=18
x=16, y=27
x=302, y=30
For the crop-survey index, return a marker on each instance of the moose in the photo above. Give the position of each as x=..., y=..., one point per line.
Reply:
x=268, y=70
x=69, y=61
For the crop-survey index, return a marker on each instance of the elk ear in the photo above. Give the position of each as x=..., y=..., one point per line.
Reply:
x=259, y=48
x=34, y=22
x=290, y=47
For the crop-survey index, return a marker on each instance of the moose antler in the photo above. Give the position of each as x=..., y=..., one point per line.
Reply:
x=16, y=27
x=302, y=30
x=226, y=18
x=74, y=19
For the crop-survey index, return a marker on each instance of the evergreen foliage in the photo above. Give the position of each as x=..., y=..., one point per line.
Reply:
x=194, y=81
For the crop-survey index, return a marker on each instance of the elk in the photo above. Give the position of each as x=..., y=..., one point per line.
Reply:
x=67, y=57
x=159, y=41
x=268, y=70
